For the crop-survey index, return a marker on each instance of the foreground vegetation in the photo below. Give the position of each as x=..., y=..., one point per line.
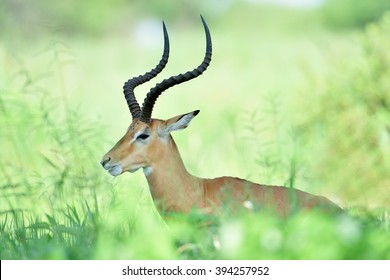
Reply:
x=324, y=130
x=87, y=234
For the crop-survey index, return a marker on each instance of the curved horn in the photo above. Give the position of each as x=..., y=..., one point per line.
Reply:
x=128, y=87
x=155, y=92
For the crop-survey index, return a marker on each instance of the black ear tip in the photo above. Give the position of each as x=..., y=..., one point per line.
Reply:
x=196, y=112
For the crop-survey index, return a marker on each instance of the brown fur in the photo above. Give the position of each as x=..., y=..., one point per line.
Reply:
x=173, y=188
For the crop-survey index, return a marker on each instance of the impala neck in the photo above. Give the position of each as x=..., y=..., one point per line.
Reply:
x=172, y=187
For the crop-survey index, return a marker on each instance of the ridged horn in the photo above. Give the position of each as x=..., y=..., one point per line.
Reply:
x=155, y=92
x=128, y=87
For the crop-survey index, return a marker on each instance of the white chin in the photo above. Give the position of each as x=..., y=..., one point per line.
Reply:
x=115, y=171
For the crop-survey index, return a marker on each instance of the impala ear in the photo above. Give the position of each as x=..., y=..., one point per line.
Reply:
x=178, y=122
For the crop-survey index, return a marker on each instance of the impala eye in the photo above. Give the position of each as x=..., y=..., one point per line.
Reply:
x=143, y=136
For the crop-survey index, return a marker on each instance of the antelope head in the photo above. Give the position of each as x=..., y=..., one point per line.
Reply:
x=146, y=137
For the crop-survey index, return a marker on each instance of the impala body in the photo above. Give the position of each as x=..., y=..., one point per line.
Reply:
x=148, y=144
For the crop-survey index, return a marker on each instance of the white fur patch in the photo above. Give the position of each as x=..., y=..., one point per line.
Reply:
x=147, y=170
x=115, y=170
x=182, y=123
x=136, y=136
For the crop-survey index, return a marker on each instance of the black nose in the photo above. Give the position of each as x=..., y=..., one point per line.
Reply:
x=103, y=162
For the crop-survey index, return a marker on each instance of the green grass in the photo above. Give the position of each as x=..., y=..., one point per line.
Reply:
x=86, y=234
x=276, y=108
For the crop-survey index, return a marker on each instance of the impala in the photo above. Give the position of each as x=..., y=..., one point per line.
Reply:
x=148, y=144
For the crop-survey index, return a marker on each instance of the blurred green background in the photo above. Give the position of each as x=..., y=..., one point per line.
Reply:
x=297, y=94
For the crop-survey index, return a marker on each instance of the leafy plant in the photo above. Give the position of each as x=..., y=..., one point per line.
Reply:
x=351, y=123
